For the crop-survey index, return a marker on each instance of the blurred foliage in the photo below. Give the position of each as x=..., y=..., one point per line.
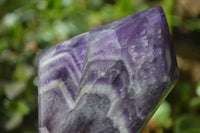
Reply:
x=29, y=26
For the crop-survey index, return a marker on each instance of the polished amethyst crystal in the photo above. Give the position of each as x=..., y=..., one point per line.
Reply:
x=108, y=80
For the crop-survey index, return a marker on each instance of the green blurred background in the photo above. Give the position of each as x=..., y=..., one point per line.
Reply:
x=29, y=26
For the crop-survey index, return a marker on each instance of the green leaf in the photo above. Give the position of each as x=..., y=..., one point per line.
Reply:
x=4, y=44
x=11, y=20
x=187, y=124
x=23, y=72
x=23, y=108
x=124, y=8
x=14, y=121
x=198, y=90
x=195, y=102
x=163, y=113
x=14, y=89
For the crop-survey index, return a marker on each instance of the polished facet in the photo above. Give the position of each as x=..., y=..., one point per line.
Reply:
x=108, y=80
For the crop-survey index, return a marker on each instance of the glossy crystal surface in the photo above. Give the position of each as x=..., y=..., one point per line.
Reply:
x=108, y=80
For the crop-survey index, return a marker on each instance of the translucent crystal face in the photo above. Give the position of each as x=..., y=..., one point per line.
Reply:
x=108, y=80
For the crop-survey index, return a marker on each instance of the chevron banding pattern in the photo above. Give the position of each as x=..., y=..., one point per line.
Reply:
x=108, y=80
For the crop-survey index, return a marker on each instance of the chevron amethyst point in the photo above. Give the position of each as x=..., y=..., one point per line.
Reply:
x=108, y=80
